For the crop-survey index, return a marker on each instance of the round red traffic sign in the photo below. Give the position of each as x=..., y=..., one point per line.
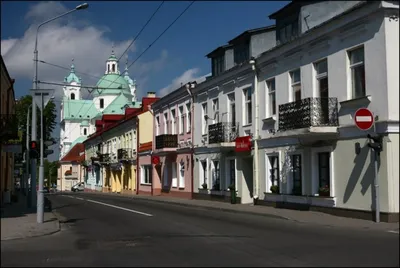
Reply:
x=364, y=119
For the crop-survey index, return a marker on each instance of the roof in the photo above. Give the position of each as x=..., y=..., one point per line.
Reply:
x=293, y=5
x=117, y=106
x=218, y=49
x=253, y=32
x=76, y=154
x=85, y=123
x=85, y=108
x=78, y=140
x=112, y=84
x=72, y=76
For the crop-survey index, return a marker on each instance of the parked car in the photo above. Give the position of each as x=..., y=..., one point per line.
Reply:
x=78, y=187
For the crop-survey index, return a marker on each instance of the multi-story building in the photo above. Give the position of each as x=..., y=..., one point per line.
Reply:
x=8, y=131
x=71, y=171
x=224, y=111
x=172, y=143
x=145, y=122
x=332, y=58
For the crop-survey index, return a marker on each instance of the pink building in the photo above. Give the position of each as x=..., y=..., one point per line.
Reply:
x=172, y=144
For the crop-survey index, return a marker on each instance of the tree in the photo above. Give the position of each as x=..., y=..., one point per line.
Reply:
x=50, y=172
x=49, y=117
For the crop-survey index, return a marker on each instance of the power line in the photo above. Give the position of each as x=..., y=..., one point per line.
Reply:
x=141, y=30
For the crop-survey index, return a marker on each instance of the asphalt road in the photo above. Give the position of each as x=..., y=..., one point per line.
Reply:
x=113, y=231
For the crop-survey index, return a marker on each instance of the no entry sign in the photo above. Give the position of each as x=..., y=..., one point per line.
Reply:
x=364, y=119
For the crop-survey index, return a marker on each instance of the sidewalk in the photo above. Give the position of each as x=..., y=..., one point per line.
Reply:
x=310, y=217
x=18, y=222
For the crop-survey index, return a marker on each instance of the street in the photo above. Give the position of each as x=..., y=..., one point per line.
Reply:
x=112, y=231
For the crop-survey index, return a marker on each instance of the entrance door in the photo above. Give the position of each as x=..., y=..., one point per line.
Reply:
x=165, y=175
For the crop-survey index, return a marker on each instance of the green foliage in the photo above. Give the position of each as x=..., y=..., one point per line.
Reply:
x=50, y=171
x=49, y=116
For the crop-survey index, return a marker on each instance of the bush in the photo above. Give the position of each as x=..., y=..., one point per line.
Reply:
x=274, y=189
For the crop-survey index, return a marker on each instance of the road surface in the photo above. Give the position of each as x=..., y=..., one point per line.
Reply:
x=113, y=231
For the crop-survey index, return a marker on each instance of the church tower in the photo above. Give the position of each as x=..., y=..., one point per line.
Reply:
x=72, y=88
x=112, y=64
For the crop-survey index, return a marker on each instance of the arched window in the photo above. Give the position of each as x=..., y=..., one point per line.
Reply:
x=72, y=96
x=113, y=68
x=84, y=131
x=101, y=103
x=108, y=68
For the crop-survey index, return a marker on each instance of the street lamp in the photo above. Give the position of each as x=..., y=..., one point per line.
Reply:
x=40, y=198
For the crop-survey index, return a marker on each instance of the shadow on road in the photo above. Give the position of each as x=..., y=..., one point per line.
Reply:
x=20, y=208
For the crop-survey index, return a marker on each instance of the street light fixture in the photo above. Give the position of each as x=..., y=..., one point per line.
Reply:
x=40, y=196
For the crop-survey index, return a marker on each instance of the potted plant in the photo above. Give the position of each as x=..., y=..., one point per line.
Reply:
x=324, y=191
x=232, y=190
x=274, y=189
x=204, y=185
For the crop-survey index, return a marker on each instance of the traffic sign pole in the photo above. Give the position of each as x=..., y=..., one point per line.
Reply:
x=364, y=120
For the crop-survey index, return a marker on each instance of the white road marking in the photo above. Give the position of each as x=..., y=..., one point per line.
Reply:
x=364, y=118
x=126, y=209
x=393, y=231
x=80, y=198
x=70, y=196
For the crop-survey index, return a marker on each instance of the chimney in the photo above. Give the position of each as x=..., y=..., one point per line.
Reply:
x=151, y=94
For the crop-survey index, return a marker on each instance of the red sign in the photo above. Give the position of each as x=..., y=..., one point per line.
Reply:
x=364, y=119
x=243, y=144
x=155, y=159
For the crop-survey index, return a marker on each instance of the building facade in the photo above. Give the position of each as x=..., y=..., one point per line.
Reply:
x=224, y=112
x=343, y=57
x=172, y=142
x=8, y=131
x=71, y=170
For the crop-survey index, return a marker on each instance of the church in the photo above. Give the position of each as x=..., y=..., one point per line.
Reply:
x=114, y=92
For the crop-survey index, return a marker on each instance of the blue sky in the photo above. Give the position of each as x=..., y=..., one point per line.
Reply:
x=88, y=35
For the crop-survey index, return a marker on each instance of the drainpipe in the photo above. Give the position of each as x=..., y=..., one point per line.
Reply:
x=190, y=86
x=137, y=155
x=256, y=132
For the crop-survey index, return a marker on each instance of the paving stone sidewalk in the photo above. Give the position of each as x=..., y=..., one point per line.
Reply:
x=311, y=217
x=18, y=222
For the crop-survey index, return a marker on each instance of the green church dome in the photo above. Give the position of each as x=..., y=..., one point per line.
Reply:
x=112, y=84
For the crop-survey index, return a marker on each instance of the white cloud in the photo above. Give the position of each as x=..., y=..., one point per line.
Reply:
x=187, y=76
x=59, y=43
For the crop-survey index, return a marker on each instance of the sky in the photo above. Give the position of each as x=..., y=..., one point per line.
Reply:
x=87, y=36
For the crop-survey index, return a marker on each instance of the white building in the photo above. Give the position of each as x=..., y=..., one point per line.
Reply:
x=331, y=58
x=114, y=92
x=223, y=109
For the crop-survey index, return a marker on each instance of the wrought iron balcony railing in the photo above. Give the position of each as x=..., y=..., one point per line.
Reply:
x=309, y=112
x=166, y=141
x=126, y=154
x=8, y=127
x=222, y=132
x=104, y=158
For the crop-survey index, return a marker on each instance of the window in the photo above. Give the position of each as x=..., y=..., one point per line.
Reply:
x=296, y=174
x=146, y=177
x=241, y=53
x=215, y=108
x=157, y=125
x=288, y=32
x=189, y=117
x=165, y=175
x=204, y=118
x=232, y=111
x=203, y=172
x=321, y=69
x=247, y=106
x=231, y=178
x=357, y=69
x=271, y=98
x=181, y=120
x=84, y=131
x=182, y=174
x=101, y=103
x=174, y=178
x=173, y=119
x=113, y=68
x=165, y=123
x=108, y=68
x=274, y=176
x=218, y=65
x=72, y=96
x=216, y=176
x=296, y=85
x=324, y=170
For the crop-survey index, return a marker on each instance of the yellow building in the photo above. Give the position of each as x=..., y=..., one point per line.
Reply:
x=8, y=131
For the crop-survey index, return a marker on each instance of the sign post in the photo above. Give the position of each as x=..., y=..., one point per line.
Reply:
x=364, y=120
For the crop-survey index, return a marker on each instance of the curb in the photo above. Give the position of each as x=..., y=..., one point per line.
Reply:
x=196, y=206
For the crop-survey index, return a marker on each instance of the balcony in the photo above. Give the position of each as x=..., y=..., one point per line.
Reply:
x=8, y=127
x=166, y=141
x=309, y=112
x=104, y=158
x=222, y=132
x=126, y=154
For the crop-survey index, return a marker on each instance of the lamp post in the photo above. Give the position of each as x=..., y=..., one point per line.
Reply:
x=25, y=183
x=40, y=197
